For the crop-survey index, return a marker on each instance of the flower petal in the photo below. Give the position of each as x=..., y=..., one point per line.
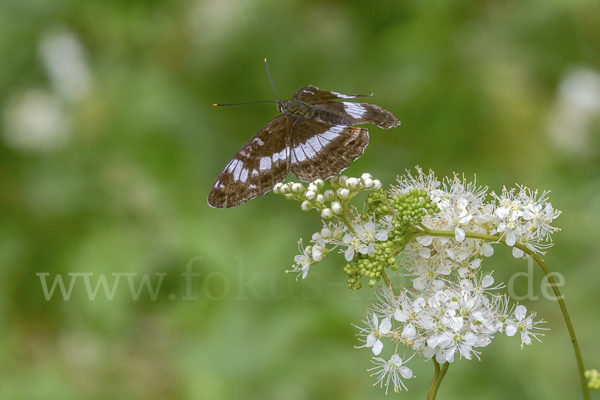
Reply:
x=487, y=250
x=396, y=360
x=511, y=330
x=386, y=325
x=405, y=372
x=377, y=347
x=400, y=315
x=517, y=253
x=520, y=312
x=511, y=238
x=349, y=254
x=459, y=234
x=409, y=331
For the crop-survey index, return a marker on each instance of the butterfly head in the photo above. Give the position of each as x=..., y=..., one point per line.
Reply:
x=282, y=106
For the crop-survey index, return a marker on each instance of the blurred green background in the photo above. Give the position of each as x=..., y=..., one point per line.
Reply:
x=109, y=145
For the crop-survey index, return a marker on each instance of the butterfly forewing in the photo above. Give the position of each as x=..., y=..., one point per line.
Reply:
x=320, y=150
x=344, y=112
x=356, y=113
x=311, y=94
x=261, y=163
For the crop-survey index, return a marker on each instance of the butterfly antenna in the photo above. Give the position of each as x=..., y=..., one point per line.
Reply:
x=247, y=102
x=272, y=84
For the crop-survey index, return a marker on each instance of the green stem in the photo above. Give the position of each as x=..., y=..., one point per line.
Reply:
x=388, y=282
x=548, y=273
x=435, y=375
x=437, y=379
x=347, y=223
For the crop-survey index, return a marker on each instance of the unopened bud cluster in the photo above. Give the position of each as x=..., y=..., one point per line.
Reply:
x=330, y=202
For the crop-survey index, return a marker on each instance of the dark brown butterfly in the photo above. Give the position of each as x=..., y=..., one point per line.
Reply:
x=314, y=138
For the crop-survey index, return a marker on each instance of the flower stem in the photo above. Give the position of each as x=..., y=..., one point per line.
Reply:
x=548, y=273
x=388, y=282
x=346, y=222
x=437, y=379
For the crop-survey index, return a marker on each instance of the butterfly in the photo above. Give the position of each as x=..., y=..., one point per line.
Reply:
x=314, y=138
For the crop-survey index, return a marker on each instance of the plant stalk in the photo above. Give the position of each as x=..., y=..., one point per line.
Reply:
x=437, y=379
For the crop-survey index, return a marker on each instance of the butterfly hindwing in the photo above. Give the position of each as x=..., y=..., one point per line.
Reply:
x=311, y=94
x=321, y=150
x=253, y=171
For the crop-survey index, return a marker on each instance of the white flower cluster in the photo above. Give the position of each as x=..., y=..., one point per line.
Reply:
x=314, y=253
x=443, y=230
x=362, y=240
x=364, y=237
x=360, y=237
x=524, y=217
x=450, y=310
x=521, y=217
x=455, y=321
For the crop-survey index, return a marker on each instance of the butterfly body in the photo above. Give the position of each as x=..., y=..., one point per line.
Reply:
x=298, y=108
x=314, y=138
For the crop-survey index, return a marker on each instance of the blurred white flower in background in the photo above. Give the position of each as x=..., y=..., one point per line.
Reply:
x=35, y=121
x=63, y=56
x=577, y=107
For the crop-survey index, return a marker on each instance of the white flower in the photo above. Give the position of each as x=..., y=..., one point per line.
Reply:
x=373, y=333
x=456, y=339
x=344, y=193
x=326, y=213
x=303, y=261
x=524, y=325
x=336, y=207
x=297, y=188
x=353, y=244
x=326, y=233
x=366, y=234
x=318, y=240
x=352, y=183
x=317, y=254
x=391, y=371
x=329, y=195
x=429, y=272
x=408, y=310
x=286, y=188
